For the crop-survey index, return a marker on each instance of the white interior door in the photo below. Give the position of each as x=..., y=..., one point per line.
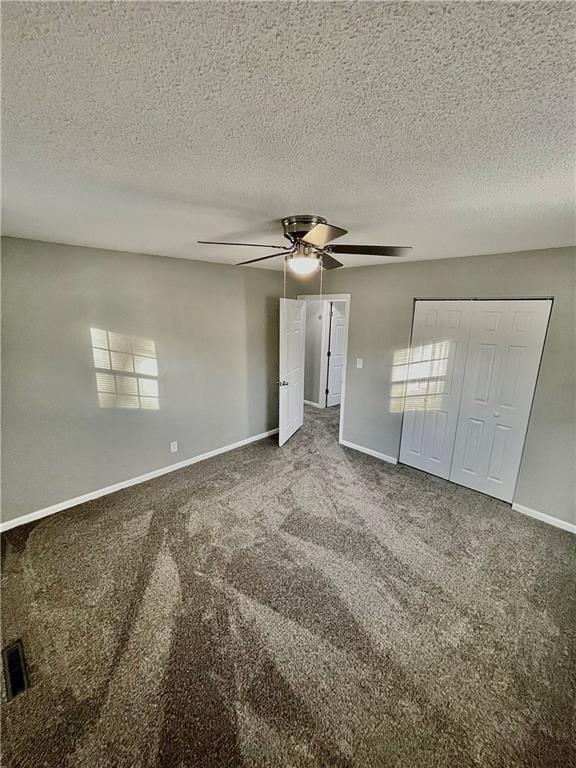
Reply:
x=506, y=343
x=291, y=384
x=429, y=376
x=336, y=350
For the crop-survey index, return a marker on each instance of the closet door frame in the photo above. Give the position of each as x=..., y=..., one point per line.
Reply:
x=478, y=299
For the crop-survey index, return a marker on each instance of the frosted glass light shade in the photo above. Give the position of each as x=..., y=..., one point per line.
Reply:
x=303, y=265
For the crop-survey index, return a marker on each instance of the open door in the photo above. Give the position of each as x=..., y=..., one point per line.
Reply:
x=337, y=334
x=291, y=383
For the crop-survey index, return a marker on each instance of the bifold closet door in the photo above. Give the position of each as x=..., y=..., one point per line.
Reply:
x=430, y=375
x=506, y=343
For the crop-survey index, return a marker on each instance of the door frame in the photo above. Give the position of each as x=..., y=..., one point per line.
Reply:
x=344, y=297
x=549, y=298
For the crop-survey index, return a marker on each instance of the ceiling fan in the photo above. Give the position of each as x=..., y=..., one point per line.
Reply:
x=309, y=249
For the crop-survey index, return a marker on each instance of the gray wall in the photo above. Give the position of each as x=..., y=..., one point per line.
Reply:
x=380, y=320
x=313, y=349
x=215, y=329
x=216, y=334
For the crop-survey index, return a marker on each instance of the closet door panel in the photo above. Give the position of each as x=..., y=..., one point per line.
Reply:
x=505, y=349
x=429, y=377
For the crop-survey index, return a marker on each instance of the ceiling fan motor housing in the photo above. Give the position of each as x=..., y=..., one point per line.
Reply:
x=295, y=227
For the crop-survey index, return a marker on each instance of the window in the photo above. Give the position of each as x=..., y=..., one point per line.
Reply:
x=126, y=370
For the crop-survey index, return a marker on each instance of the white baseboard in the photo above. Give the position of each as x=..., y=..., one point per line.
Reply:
x=566, y=526
x=370, y=452
x=39, y=513
x=315, y=405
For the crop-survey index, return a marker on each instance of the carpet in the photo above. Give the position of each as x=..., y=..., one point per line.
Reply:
x=303, y=606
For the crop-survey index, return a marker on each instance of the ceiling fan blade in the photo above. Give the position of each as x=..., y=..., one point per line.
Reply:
x=263, y=258
x=329, y=263
x=322, y=234
x=370, y=250
x=250, y=245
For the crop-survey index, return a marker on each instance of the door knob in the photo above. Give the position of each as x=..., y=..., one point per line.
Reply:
x=282, y=383
x=496, y=414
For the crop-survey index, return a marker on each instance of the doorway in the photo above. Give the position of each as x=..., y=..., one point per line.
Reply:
x=313, y=348
x=468, y=381
x=327, y=321
x=324, y=355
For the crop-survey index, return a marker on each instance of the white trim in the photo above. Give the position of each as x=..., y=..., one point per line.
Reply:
x=370, y=452
x=314, y=405
x=564, y=524
x=39, y=513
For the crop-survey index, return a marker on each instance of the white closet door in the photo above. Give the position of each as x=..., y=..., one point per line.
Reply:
x=504, y=354
x=429, y=375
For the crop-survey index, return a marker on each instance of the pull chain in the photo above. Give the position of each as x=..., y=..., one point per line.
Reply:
x=321, y=276
x=284, y=276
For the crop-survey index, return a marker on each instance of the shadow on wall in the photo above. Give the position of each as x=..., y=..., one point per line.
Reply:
x=126, y=370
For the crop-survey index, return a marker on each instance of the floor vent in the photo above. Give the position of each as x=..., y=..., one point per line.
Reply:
x=14, y=669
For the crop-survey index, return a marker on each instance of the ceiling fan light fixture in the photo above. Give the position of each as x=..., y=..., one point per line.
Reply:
x=311, y=245
x=303, y=265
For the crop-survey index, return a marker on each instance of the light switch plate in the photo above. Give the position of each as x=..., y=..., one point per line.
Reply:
x=359, y=362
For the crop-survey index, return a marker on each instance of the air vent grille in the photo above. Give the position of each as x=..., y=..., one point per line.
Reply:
x=14, y=669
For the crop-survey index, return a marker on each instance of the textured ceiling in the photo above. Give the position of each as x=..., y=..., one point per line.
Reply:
x=147, y=126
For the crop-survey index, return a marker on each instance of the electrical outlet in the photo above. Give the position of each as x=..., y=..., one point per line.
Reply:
x=174, y=446
x=359, y=362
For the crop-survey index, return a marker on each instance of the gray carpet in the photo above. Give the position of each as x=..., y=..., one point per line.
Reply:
x=309, y=606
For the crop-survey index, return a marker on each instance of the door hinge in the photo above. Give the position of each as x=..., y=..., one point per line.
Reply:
x=327, y=392
x=328, y=353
